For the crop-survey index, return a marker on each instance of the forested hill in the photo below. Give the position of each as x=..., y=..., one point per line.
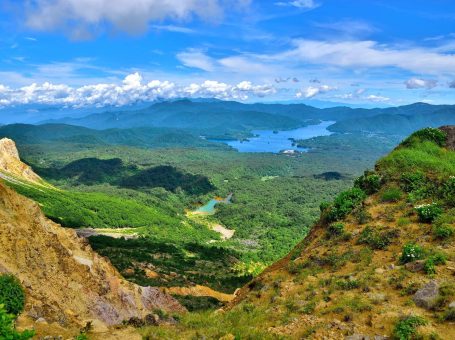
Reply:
x=140, y=137
x=230, y=118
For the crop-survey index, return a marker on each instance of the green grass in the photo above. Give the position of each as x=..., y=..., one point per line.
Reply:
x=427, y=157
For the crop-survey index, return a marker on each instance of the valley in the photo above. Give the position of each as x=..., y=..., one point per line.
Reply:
x=195, y=217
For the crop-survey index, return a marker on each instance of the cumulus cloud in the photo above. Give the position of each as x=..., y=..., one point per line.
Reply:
x=304, y=4
x=313, y=91
x=370, y=54
x=416, y=83
x=131, y=90
x=132, y=16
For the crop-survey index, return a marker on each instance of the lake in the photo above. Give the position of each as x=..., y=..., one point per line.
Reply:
x=276, y=141
x=209, y=207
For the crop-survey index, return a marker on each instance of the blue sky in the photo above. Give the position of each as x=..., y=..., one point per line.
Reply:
x=115, y=52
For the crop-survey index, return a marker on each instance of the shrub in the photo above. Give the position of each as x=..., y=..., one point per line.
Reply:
x=363, y=216
x=428, y=134
x=336, y=229
x=413, y=181
x=449, y=315
x=406, y=328
x=348, y=284
x=323, y=206
x=7, y=330
x=443, y=231
x=429, y=267
x=448, y=191
x=376, y=239
x=344, y=203
x=12, y=294
x=428, y=212
x=369, y=182
x=411, y=252
x=391, y=195
x=433, y=261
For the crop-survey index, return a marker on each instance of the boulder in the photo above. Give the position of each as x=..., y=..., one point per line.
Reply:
x=427, y=295
x=415, y=266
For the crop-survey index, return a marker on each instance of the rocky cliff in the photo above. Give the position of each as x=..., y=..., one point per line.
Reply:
x=12, y=167
x=67, y=284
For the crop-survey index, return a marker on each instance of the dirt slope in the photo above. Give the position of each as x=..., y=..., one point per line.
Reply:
x=67, y=284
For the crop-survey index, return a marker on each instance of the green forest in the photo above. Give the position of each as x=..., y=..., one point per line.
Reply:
x=275, y=200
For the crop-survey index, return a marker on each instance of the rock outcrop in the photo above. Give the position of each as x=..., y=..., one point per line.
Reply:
x=66, y=282
x=11, y=165
x=450, y=131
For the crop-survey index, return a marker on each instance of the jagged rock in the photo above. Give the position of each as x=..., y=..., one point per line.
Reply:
x=11, y=167
x=427, y=295
x=415, y=266
x=41, y=320
x=452, y=304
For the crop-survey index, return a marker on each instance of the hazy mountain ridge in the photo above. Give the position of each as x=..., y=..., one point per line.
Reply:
x=225, y=117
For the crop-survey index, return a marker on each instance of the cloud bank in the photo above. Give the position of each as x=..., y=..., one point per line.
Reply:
x=132, y=90
x=82, y=17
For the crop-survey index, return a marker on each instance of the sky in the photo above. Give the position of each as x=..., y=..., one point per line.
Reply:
x=117, y=52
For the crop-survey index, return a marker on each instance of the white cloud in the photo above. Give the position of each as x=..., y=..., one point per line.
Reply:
x=305, y=4
x=242, y=64
x=416, y=83
x=132, y=89
x=313, y=91
x=132, y=16
x=196, y=59
x=370, y=54
x=173, y=28
x=348, y=27
x=377, y=99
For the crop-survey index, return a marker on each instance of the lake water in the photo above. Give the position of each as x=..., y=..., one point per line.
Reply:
x=209, y=207
x=270, y=141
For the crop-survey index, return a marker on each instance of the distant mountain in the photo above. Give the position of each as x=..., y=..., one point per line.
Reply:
x=140, y=137
x=401, y=120
x=201, y=116
x=215, y=117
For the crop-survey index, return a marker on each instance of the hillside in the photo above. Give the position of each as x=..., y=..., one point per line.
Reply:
x=379, y=263
x=66, y=283
x=233, y=119
x=145, y=137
